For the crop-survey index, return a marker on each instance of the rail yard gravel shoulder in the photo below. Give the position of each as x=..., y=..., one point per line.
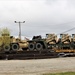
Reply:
x=37, y=66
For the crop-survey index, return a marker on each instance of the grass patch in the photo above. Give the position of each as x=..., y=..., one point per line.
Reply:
x=64, y=73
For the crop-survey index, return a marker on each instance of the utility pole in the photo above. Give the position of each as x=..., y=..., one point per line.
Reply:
x=19, y=27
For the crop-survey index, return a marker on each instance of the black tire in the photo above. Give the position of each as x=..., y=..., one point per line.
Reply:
x=39, y=46
x=7, y=48
x=31, y=47
x=15, y=47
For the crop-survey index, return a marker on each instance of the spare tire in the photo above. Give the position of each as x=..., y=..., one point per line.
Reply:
x=15, y=47
x=31, y=46
x=39, y=46
x=6, y=48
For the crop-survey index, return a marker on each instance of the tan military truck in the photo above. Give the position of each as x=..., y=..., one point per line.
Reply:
x=51, y=40
x=64, y=41
x=73, y=41
x=8, y=43
x=23, y=44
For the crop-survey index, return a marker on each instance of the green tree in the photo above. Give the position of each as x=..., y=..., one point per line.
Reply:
x=4, y=31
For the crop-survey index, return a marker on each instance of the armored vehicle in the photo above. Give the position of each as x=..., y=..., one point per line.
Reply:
x=8, y=43
x=51, y=40
x=23, y=44
x=37, y=43
x=64, y=41
x=73, y=41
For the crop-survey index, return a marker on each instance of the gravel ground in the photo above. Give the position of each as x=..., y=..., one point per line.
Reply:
x=37, y=66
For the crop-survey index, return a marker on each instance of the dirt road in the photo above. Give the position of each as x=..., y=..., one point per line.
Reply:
x=36, y=67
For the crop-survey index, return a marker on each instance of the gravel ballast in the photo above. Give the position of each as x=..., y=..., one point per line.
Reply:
x=37, y=66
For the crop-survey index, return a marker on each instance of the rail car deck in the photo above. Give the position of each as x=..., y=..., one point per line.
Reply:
x=28, y=55
x=65, y=50
x=36, y=54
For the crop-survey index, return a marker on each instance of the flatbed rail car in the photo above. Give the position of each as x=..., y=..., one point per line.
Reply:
x=49, y=45
x=28, y=55
x=36, y=54
x=65, y=51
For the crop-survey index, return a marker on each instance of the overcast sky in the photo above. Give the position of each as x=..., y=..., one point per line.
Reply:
x=40, y=16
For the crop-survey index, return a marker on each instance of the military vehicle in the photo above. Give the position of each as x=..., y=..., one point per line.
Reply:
x=37, y=43
x=73, y=41
x=51, y=40
x=8, y=43
x=64, y=41
x=23, y=44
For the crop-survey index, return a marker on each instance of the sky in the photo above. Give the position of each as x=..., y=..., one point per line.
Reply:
x=40, y=16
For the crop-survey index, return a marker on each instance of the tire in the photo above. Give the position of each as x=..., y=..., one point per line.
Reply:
x=39, y=46
x=15, y=47
x=31, y=47
x=7, y=48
